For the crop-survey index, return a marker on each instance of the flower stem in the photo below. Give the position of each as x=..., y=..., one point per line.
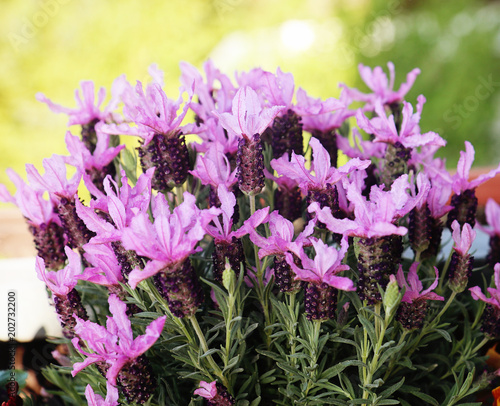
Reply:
x=204, y=347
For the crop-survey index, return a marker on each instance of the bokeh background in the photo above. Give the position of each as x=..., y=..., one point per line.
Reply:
x=51, y=45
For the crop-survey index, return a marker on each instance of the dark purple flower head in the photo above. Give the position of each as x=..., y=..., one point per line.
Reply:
x=384, y=128
x=247, y=118
x=494, y=299
x=87, y=109
x=63, y=281
x=414, y=288
x=382, y=87
x=54, y=180
x=97, y=400
x=114, y=344
x=325, y=266
x=324, y=173
x=461, y=181
x=213, y=168
x=170, y=239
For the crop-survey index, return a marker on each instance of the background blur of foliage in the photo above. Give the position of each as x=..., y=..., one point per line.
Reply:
x=51, y=45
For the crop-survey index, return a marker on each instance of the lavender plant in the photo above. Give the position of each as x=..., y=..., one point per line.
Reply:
x=279, y=258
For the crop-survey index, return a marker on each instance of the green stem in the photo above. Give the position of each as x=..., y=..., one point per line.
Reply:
x=465, y=356
x=393, y=360
x=372, y=368
x=204, y=347
x=443, y=273
x=179, y=194
x=313, y=364
x=293, y=327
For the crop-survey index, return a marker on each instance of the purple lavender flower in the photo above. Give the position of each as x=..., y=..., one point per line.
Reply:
x=119, y=206
x=323, y=119
x=278, y=244
x=63, y=193
x=44, y=224
x=413, y=307
x=96, y=165
x=227, y=243
x=118, y=353
x=97, y=400
x=88, y=113
x=62, y=284
x=322, y=282
x=214, y=169
x=249, y=120
x=464, y=200
x=461, y=263
x=492, y=212
x=424, y=223
x=400, y=140
x=319, y=186
x=215, y=393
x=377, y=244
x=168, y=242
x=491, y=316
x=158, y=124
x=381, y=86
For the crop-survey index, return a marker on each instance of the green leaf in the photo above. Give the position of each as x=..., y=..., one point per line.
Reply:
x=427, y=398
x=19, y=376
x=444, y=334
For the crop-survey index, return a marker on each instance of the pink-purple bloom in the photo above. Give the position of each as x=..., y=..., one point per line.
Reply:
x=384, y=128
x=248, y=117
x=114, y=344
x=324, y=172
x=382, y=87
x=462, y=237
x=460, y=180
x=97, y=400
x=413, y=286
x=207, y=390
x=494, y=292
x=325, y=266
x=374, y=217
x=170, y=239
x=63, y=281
x=213, y=168
x=88, y=109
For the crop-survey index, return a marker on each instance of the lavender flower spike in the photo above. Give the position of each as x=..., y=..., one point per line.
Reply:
x=412, y=310
x=118, y=353
x=168, y=242
x=43, y=223
x=249, y=120
x=491, y=315
x=464, y=200
x=461, y=262
x=320, y=273
x=62, y=284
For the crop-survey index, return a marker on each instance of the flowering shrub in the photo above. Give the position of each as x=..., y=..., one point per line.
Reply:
x=280, y=258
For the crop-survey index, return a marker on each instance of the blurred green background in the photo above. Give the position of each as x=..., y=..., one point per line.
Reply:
x=51, y=45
